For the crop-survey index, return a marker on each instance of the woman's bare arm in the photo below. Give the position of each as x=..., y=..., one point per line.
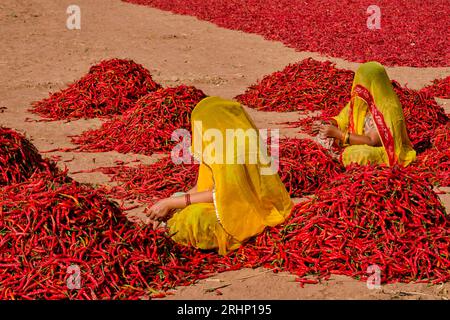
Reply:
x=192, y=190
x=163, y=209
x=371, y=139
x=195, y=197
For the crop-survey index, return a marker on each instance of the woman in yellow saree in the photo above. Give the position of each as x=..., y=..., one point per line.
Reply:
x=371, y=127
x=232, y=200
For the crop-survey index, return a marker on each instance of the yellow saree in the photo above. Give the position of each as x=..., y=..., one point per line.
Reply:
x=372, y=92
x=245, y=200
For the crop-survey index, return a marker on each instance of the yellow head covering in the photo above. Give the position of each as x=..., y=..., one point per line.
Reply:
x=246, y=200
x=372, y=90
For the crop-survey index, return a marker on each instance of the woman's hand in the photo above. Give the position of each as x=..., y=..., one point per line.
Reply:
x=162, y=210
x=331, y=131
x=159, y=212
x=317, y=125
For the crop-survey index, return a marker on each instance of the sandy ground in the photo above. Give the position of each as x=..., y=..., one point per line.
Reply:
x=40, y=55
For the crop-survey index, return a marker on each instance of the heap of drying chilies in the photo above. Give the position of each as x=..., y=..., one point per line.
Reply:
x=19, y=159
x=54, y=231
x=110, y=88
x=308, y=85
x=368, y=215
x=148, y=126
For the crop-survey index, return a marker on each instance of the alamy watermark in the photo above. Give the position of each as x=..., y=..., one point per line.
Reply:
x=73, y=21
x=374, y=20
x=74, y=279
x=374, y=280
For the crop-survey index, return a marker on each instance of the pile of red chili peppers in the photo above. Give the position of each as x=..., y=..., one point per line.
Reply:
x=148, y=126
x=110, y=87
x=19, y=159
x=308, y=85
x=53, y=229
x=407, y=33
x=371, y=215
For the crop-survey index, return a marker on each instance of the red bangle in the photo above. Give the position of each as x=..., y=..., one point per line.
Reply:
x=187, y=198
